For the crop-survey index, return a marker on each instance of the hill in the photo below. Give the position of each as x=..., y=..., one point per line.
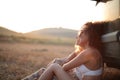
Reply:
x=5, y=31
x=54, y=35
x=47, y=32
x=54, y=32
x=45, y=36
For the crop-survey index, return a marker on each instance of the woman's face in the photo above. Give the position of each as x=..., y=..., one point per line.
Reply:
x=82, y=39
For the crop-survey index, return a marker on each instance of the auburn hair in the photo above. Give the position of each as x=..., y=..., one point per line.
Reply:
x=94, y=31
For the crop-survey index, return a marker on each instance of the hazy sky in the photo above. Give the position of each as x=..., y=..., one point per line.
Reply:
x=29, y=15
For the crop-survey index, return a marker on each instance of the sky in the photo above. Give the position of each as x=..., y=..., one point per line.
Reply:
x=29, y=15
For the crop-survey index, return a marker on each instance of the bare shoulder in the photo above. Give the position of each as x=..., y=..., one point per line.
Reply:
x=94, y=53
x=91, y=52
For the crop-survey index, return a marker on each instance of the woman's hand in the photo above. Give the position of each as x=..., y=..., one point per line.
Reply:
x=59, y=61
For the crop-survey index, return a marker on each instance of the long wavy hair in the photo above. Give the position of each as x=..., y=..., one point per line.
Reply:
x=94, y=30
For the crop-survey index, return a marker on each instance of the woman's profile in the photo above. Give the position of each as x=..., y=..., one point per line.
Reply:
x=85, y=63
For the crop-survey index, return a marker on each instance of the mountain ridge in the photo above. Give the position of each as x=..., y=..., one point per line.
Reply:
x=5, y=31
x=48, y=32
x=54, y=32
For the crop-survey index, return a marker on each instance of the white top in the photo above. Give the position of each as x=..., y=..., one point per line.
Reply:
x=82, y=70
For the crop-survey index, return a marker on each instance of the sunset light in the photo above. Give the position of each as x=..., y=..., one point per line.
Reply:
x=28, y=15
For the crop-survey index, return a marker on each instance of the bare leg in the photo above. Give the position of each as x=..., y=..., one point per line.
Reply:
x=55, y=69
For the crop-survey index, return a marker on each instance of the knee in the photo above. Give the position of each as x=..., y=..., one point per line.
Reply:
x=55, y=66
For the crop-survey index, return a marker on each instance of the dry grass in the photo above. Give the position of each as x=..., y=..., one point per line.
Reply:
x=18, y=60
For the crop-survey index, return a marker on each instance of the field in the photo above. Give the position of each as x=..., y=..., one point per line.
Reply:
x=18, y=60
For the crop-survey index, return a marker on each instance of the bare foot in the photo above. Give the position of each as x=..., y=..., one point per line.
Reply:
x=35, y=75
x=40, y=71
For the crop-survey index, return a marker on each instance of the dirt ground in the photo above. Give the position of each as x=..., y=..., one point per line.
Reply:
x=18, y=60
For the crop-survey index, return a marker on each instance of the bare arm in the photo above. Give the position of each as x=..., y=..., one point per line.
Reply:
x=71, y=56
x=62, y=61
x=77, y=61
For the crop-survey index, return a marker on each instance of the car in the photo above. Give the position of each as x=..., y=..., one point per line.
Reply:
x=111, y=43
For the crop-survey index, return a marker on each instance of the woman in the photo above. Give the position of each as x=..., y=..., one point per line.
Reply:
x=85, y=63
